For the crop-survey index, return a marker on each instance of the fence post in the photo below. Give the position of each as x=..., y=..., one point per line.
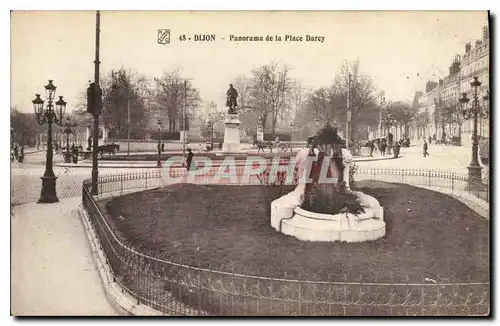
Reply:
x=137, y=277
x=429, y=178
x=452, y=181
x=300, y=297
x=146, y=180
x=121, y=184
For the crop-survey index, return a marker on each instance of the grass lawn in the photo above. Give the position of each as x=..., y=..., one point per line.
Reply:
x=429, y=235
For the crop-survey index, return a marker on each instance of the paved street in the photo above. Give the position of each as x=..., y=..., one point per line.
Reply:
x=52, y=268
x=441, y=157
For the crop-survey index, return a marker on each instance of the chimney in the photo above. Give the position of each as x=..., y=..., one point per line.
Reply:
x=441, y=82
x=485, y=32
x=478, y=43
x=467, y=47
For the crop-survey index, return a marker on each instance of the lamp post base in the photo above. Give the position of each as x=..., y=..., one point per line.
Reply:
x=48, y=194
x=474, y=177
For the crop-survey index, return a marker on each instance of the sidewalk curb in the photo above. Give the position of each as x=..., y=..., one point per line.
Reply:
x=122, y=303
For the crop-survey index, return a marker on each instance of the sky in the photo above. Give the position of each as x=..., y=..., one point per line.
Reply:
x=400, y=50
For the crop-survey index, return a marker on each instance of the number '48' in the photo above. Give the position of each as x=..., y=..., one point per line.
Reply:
x=182, y=37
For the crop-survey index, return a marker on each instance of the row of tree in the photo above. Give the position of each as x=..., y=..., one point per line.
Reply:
x=131, y=102
x=270, y=96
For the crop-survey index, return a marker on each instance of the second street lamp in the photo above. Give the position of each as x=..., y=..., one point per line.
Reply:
x=210, y=126
x=474, y=111
x=388, y=122
x=49, y=116
x=67, y=130
x=158, y=162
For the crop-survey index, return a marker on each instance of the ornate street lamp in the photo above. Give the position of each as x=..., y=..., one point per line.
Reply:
x=158, y=162
x=67, y=130
x=210, y=126
x=474, y=111
x=291, y=142
x=49, y=116
x=388, y=122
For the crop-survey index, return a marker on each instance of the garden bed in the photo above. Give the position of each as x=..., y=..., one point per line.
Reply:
x=217, y=225
x=430, y=237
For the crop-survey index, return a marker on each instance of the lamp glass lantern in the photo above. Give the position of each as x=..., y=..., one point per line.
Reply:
x=464, y=100
x=50, y=90
x=61, y=107
x=38, y=106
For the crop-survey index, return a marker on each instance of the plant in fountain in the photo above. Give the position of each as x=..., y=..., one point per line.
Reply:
x=321, y=194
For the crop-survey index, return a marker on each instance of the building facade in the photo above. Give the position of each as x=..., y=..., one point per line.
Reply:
x=438, y=111
x=475, y=62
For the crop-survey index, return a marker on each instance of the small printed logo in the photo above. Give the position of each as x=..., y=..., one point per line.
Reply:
x=164, y=36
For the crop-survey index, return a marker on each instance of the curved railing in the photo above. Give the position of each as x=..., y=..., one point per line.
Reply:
x=181, y=288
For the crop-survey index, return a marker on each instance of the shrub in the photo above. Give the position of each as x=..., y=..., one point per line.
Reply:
x=352, y=171
x=331, y=202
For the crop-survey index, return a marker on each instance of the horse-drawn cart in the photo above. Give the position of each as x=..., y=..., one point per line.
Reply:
x=276, y=144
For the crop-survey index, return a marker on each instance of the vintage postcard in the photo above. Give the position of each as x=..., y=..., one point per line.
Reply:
x=250, y=163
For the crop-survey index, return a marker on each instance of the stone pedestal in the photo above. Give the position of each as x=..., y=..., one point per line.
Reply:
x=231, y=134
x=260, y=133
x=104, y=134
x=183, y=136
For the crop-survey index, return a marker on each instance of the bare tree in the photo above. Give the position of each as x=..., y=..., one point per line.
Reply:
x=362, y=99
x=171, y=89
x=270, y=91
x=402, y=113
x=122, y=88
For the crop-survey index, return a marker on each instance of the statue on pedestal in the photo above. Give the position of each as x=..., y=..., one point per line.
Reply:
x=232, y=94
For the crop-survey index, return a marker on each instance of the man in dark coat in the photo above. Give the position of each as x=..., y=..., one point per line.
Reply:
x=425, y=149
x=371, y=144
x=189, y=159
x=232, y=94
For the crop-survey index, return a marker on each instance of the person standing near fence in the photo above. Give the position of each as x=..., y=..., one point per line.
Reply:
x=189, y=159
x=425, y=148
x=371, y=144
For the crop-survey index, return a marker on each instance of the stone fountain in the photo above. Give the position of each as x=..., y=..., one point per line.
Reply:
x=289, y=218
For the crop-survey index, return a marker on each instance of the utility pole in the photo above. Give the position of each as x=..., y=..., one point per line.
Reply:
x=348, y=119
x=128, y=120
x=184, y=120
x=382, y=102
x=96, y=105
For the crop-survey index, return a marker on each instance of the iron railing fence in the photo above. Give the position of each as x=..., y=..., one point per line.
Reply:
x=454, y=180
x=184, y=288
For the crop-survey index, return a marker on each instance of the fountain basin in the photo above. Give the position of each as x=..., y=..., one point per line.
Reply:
x=288, y=218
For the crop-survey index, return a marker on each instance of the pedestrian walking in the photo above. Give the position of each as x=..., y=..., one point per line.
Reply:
x=189, y=159
x=397, y=148
x=430, y=140
x=16, y=152
x=425, y=147
x=21, y=155
x=162, y=147
x=371, y=144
